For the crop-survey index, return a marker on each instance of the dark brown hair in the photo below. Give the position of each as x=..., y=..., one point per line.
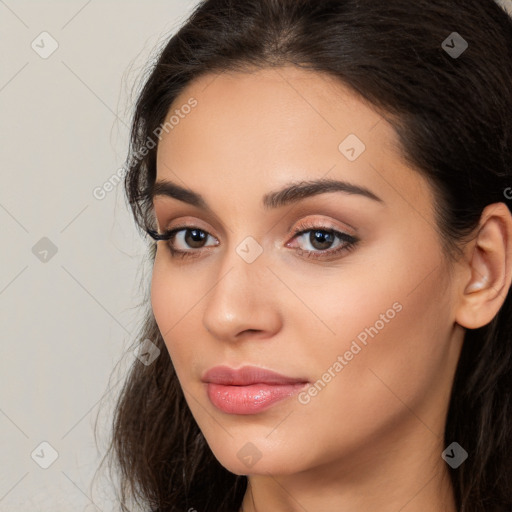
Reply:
x=453, y=116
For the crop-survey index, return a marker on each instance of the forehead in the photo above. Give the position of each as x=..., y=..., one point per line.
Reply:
x=277, y=109
x=252, y=131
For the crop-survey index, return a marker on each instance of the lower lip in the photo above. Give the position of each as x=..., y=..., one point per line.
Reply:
x=250, y=399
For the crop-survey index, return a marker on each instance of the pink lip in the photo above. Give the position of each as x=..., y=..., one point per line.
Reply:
x=248, y=390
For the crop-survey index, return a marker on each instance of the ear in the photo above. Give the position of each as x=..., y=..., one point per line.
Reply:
x=487, y=272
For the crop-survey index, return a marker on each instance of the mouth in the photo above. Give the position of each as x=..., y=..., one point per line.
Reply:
x=248, y=390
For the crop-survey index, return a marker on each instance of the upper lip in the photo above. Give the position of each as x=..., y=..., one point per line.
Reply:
x=246, y=376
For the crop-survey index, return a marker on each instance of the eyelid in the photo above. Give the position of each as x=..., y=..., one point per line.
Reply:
x=348, y=244
x=301, y=225
x=325, y=225
x=308, y=226
x=348, y=241
x=186, y=222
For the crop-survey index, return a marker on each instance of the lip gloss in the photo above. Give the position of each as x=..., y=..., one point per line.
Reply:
x=250, y=399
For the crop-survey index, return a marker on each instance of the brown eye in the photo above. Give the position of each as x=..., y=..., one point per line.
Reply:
x=195, y=238
x=321, y=240
x=186, y=241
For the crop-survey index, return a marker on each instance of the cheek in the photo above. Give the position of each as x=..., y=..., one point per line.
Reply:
x=167, y=310
x=401, y=368
x=172, y=294
x=173, y=299
x=160, y=298
x=390, y=343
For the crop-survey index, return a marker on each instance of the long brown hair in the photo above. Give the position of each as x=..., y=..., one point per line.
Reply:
x=453, y=116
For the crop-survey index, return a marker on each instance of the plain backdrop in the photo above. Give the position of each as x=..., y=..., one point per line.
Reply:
x=71, y=263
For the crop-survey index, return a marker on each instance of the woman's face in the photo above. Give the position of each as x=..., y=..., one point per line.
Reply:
x=366, y=329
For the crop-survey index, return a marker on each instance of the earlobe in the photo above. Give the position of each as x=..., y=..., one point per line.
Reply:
x=489, y=267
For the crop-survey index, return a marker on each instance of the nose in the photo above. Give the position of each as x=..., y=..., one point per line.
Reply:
x=244, y=299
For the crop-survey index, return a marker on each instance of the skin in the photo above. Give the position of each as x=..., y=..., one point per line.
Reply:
x=372, y=438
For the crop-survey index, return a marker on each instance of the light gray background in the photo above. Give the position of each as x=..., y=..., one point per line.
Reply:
x=67, y=321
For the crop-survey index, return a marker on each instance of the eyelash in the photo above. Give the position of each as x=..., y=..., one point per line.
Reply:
x=350, y=241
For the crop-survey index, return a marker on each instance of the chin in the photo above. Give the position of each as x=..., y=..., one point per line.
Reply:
x=249, y=461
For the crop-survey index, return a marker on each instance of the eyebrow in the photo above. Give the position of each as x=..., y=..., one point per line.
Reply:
x=290, y=193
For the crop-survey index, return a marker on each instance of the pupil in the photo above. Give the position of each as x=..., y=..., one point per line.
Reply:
x=319, y=238
x=196, y=238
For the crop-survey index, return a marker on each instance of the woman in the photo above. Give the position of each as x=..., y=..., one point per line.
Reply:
x=328, y=186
